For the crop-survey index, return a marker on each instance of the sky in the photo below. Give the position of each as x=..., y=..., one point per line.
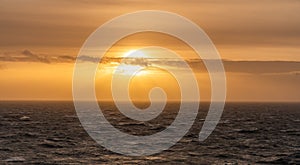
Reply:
x=258, y=41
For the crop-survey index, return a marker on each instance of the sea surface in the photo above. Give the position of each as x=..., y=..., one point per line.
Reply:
x=248, y=133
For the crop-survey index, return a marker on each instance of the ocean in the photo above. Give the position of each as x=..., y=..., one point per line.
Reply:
x=248, y=133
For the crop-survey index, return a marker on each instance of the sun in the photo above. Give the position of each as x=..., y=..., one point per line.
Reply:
x=126, y=68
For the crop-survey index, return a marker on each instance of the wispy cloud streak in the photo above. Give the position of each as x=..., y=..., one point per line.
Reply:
x=251, y=67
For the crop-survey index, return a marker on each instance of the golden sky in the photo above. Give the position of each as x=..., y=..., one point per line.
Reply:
x=258, y=41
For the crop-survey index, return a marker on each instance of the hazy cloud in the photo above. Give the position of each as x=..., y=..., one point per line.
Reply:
x=231, y=22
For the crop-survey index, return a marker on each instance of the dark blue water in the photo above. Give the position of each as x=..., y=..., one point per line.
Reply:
x=50, y=133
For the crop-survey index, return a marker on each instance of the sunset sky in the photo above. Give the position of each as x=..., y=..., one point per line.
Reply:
x=258, y=40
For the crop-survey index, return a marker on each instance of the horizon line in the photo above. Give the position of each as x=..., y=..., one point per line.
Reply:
x=203, y=101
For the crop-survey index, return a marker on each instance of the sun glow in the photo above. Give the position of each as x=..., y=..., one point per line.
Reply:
x=135, y=54
x=128, y=70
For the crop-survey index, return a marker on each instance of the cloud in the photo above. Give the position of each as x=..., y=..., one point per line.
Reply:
x=262, y=66
x=249, y=67
x=292, y=73
x=116, y=60
x=85, y=58
x=29, y=56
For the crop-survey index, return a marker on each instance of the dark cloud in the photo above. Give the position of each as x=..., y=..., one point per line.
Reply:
x=29, y=56
x=250, y=67
x=65, y=58
x=258, y=67
x=85, y=58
